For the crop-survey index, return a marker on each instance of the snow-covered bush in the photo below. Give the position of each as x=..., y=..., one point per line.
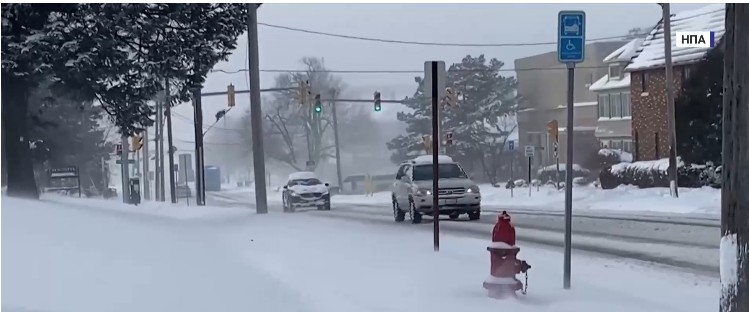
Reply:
x=549, y=173
x=654, y=173
x=580, y=181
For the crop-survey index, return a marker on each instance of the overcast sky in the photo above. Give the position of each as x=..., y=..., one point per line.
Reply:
x=454, y=23
x=458, y=23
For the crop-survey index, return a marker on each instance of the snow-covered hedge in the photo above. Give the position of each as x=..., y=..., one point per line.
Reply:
x=654, y=173
x=549, y=173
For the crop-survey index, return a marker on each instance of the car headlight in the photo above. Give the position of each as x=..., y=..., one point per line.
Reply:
x=293, y=193
x=473, y=189
x=423, y=192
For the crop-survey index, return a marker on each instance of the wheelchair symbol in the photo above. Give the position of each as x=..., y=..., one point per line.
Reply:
x=569, y=45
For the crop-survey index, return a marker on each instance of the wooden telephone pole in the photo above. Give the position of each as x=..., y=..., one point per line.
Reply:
x=734, y=246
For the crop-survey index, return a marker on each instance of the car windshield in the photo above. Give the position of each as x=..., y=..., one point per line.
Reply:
x=311, y=181
x=446, y=171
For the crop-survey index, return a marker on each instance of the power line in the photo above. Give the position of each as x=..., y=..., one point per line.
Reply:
x=363, y=71
x=444, y=44
x=212, y=143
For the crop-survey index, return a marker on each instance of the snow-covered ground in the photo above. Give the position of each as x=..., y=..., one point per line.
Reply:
x=69, y=254
x=624, y=199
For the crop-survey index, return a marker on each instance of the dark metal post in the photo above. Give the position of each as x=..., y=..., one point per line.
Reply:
x=256, y=115
x=530, y=185
x=435, y=156
x=198, y=118
x=568, y=175
x=172, y=182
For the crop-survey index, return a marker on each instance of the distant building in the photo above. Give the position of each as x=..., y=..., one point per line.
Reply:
x=647, y=77
x=545, y=98
x=614, y=126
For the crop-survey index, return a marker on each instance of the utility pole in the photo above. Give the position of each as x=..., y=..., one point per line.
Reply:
x=256, y=115
x=146, y=163
x=199, y=167
x=125, y=170
x=672, y=165
x=162, y=192
x=734, y=244
x=172, y=182
x=334, y=94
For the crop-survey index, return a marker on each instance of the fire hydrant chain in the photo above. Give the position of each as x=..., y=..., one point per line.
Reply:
x=525, y=288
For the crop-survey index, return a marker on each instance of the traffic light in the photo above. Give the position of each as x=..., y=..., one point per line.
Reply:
x=451, y=97
x=449, y=138
x=230, y=93
x=136, y=142
x=318, y=104
x=303, y=92
x=553, y=129
x=427, y=141
x=377, y=104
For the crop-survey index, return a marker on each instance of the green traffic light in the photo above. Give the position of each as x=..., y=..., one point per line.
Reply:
x=318, y=109
x=377, y=108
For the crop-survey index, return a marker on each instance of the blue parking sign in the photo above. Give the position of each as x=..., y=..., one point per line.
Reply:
x=511, y=145
x=571, y=36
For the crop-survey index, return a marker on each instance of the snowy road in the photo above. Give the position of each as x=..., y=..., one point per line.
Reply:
x=685, y=242
x=89, y=256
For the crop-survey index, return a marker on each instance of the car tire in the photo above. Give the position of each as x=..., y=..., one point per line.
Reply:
x=327, y=205
x=454, y=216
x=412, y=213
x=474, y=215
x=398, y=213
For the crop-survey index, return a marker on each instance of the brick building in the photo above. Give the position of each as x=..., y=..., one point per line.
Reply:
x=648, y=77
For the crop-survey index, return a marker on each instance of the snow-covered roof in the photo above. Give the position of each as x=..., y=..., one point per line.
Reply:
x=427, y=159
x=608, y=84
x=302, y=175
x=578, y=128
x=578, y=104
x=625, y=52
x=651, y=52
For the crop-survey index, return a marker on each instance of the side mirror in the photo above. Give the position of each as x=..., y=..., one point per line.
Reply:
x=327, y=184
x=405, y=178
x=285, y=187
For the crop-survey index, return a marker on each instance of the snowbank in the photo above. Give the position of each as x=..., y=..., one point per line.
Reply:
x=623, y=199
x=70, y=257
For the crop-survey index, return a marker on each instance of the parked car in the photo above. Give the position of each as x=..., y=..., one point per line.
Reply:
x=412, y=190
x=183, y=191
x=304, y=189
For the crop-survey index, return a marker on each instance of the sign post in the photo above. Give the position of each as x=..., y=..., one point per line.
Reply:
x=570, y=50
x=435, y=79
x=512, y=170
x=530, y=152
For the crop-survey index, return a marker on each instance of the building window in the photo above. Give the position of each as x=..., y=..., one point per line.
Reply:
x=643, y=82
x=627, y=146
x=616, y=105
x=686, y=72
x=615, y=72
x=603, y=106
x=626, y=105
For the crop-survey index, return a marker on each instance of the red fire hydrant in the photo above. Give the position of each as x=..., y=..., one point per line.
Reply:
x=502, y=282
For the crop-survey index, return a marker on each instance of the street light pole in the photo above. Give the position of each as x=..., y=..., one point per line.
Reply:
x=256, y=115
x=672, y=165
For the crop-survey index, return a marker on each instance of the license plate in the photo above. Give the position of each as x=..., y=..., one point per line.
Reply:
x=451, y=201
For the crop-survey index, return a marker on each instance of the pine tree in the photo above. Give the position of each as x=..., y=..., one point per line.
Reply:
x=480, y=125
x=115, y=54
x=699, y=117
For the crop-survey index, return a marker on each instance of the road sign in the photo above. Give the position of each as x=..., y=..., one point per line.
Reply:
x=556, y=150
x=530, y=151
x=118, y=149
x=129, y=161
x=441, y=78
x=511, y=145
x=571, y=36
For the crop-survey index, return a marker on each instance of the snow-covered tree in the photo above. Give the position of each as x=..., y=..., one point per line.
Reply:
x=115, y=54
x=699, y=117
x=480, y=125
x=294, y=133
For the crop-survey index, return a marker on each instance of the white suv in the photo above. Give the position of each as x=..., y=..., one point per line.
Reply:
x=412, y=190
